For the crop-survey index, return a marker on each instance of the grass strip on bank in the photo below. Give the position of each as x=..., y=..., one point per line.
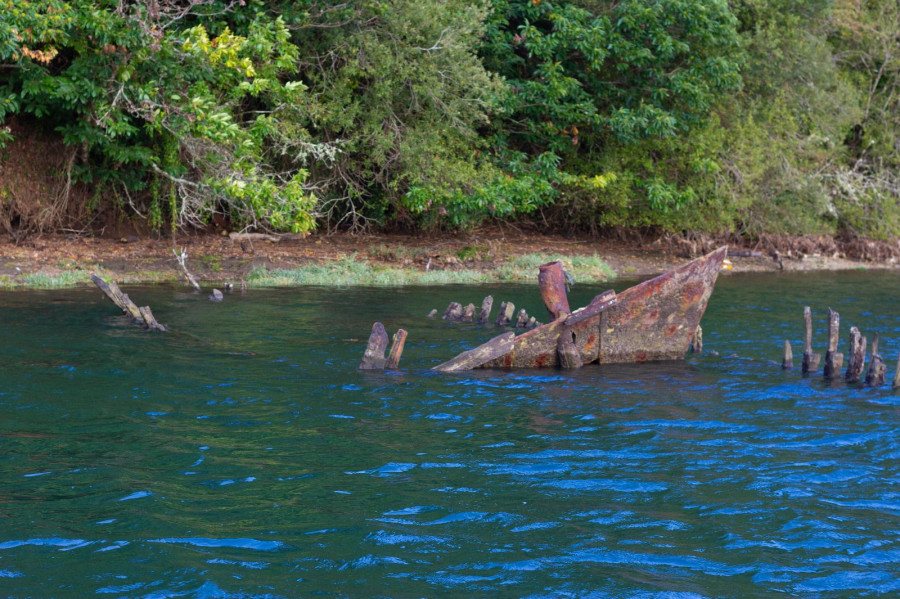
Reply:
x=355, y=271
x=345, y=271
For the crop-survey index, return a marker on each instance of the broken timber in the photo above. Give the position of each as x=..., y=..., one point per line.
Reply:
x=141, y=315
x=373, y=357
x=655, y=320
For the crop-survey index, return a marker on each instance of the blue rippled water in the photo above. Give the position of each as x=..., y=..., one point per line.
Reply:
x=243, y=455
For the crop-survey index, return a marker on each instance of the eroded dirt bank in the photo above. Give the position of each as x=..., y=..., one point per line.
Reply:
x=231, y=258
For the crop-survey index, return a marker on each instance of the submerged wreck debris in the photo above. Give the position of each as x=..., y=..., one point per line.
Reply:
x=655, y=320
x=508, y=317
x=373, y=357
x=876, y=373
x=141, y=315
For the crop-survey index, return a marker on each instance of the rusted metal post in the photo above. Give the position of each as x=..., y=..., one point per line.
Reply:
x=833, y=360
x=552, y=281
x=810, y=360
x=877, y=368
x=856, y=356
x=399, y=341
x=373, y=358
x=788, y=361
x=484, y=316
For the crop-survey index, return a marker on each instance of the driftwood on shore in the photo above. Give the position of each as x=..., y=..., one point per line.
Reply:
x=139, y=315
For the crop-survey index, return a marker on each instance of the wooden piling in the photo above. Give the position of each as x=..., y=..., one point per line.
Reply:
x=507, y=310
x=877, y=368
x=896, y=384
x=396, y=352
x=856, y=356
x=697, y=341
x=810, y=360
x=484, y=316
x=521, y=319
x=453, y=312
x=788, y=361
x=468, y=313
x=552, y=281
x=373, y=358
x=833, y=360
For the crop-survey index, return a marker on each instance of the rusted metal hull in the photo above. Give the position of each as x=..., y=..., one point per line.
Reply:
x=654, y=320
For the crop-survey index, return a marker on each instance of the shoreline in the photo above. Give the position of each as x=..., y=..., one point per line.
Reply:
x=387, y=259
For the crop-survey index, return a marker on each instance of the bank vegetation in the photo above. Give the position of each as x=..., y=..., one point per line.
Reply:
x=745, y=117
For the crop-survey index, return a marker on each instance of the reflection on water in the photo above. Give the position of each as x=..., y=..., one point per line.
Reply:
x=242, y=454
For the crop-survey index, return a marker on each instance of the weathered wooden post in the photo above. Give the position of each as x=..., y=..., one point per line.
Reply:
x=857, y=356
x=373, y=358
x=833, y=360
x=399, y=340
x=896, y=384
x=507, y=309
x=567, y=351
x=877, y=368
x=810, y=360
x=697, y=341
x=552, y=281
x=484, y=316
x=468, y=313
x=521, y=319
x=454, y=311
x=788, y=361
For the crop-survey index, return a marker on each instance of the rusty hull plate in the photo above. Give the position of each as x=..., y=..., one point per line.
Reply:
x=656, y=320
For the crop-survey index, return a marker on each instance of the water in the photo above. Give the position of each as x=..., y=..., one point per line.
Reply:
x=243, y=455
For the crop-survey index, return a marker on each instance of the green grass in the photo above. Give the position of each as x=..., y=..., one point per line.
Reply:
x=351, y=271
x=39, y=280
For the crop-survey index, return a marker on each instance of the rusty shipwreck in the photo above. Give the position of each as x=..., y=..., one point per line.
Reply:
x=654, y=320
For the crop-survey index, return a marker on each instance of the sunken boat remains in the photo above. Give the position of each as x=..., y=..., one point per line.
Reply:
x=654, y=320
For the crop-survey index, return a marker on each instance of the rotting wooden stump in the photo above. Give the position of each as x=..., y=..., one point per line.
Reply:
x=373, y=358
x=877, y=368
x=810, y=360
x=139, y=315
x=522, y=319
x=484, y=315
x=833, y=360
x=552, y=282
x=856, y=356
x=454, y=312
x=504, y=318
x=787, y=361
x=468, y=314
x=399, y=340
x=697, y=341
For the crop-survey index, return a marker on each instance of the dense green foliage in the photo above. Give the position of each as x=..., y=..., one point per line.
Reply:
x=717, y=115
